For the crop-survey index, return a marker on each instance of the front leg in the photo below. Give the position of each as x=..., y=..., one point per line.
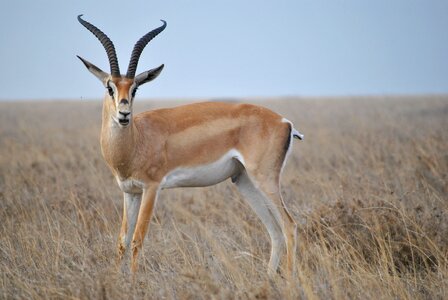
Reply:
x=144, y=216
x=131, y=207
x=122, y=236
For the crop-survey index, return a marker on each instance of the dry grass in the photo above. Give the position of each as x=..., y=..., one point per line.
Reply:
x=368, y=187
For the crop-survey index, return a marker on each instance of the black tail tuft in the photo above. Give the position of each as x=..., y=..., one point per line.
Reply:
x=296, y=136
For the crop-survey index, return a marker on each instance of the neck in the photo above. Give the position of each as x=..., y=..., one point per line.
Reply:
x=117, y=144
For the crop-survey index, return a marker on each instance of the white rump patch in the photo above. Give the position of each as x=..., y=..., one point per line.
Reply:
x=205, y=175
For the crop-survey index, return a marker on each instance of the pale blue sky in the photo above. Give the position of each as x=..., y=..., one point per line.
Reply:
x=229, y=48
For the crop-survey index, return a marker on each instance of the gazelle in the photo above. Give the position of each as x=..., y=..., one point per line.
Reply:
x=190, y=146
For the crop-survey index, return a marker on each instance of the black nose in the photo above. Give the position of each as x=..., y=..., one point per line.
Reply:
x=125, y=114
x=124, y=101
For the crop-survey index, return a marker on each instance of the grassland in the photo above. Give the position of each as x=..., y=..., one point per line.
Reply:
x=368, y=187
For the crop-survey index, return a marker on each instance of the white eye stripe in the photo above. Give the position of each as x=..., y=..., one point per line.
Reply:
x=111, y=87
x=110, y=84
x=132, y=91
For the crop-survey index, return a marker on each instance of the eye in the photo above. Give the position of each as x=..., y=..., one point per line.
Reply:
x=133, y=92
x=110, y=90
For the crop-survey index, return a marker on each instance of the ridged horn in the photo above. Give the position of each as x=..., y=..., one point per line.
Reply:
x=107, y=44
x=138, y=48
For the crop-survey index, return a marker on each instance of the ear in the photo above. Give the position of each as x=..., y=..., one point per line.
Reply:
x=101, y=75
x=148, y=75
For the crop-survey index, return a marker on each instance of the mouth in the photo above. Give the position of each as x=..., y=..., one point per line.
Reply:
x=123, y=122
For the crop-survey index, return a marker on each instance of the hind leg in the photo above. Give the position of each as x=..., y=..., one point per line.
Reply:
x=289, y=229
x=266, y=181
x=269, y=185
x=268, y=214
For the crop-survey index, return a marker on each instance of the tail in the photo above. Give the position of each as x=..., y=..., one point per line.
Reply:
x=297, y=135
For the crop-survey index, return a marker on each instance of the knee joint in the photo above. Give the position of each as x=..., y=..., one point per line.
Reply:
x=136, y=244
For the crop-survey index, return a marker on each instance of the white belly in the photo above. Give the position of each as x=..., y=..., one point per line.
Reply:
x=205, y=175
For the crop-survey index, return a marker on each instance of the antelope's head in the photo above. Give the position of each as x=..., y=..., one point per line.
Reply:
x=121, y=89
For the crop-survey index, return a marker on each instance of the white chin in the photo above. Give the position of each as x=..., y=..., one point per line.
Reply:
x=121, y=123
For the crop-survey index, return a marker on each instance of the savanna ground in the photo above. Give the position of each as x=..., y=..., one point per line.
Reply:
x=368, y=187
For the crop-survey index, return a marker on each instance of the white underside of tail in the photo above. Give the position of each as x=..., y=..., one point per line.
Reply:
x=297, y=134
x=294, y=132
